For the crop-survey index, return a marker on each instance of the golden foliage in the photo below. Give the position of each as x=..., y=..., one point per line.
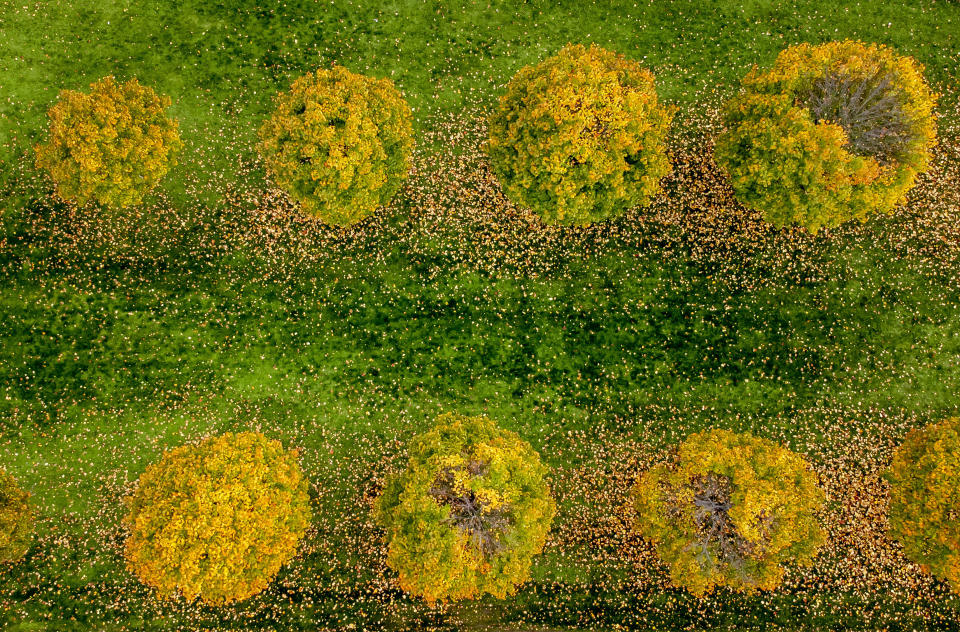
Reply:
x=580, y=137
x=798, y=170
x=16, y=519
x=111, y=146
x=339, y=143
x=730, y=511
x=217, y=519
x=925, y=496
x=468, y=514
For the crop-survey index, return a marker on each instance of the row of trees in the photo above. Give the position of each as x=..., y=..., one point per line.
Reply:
x=216, y=520
x=828, y=134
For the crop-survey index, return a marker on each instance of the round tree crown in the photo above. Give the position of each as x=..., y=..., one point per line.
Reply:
x=730, y=511
x=111, y=146
x=217, y=519
x=469, y=512
x=580, y=137
x=830, y=133
x=339, y=143
x=924, y=495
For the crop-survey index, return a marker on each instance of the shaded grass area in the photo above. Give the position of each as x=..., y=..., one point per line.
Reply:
x=612, y=334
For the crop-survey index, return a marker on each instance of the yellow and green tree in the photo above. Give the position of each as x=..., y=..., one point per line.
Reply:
x=828, y=134
x=339, y=143
x=111, y=145
x=580, y=137
x=924, y=499
x=216, y=520
x=16, y=519
x=730, y=510
x=469, y=512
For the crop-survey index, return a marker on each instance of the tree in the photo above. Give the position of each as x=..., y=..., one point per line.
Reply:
x=469, y=512
x=924, y=496
x=829, y=134
x=730, y=510
x=111, y=146
x=339, y=143
x=217, y=519
x=16, y=519
x=580, y=137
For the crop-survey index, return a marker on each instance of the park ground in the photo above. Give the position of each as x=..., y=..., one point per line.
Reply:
x=217, y=308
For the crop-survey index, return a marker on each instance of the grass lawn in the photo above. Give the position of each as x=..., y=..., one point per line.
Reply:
x=218, y=309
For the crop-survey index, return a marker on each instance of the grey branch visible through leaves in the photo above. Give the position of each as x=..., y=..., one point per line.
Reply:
x=718, y=541
x=483, y=524
x=868, y=109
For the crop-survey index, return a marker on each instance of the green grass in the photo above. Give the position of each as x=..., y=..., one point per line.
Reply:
x=107, y=361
